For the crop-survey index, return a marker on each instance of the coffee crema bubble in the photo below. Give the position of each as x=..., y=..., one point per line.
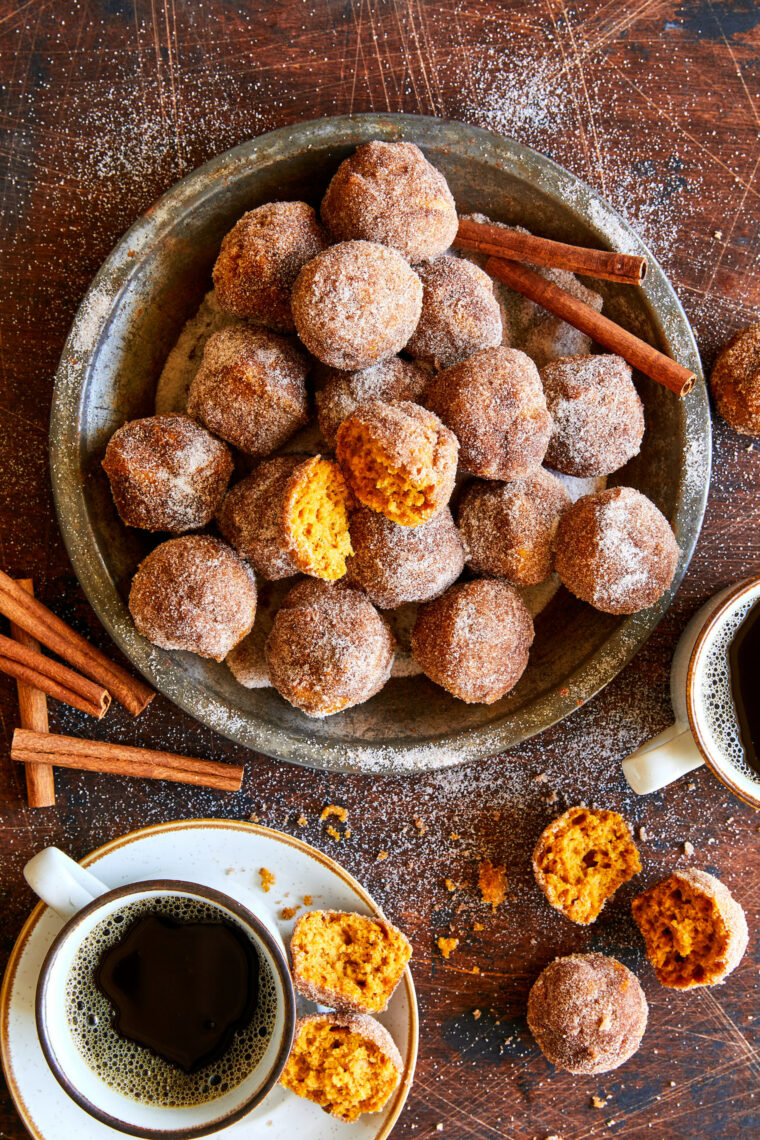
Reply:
x=718, y=718
x=132, y=1069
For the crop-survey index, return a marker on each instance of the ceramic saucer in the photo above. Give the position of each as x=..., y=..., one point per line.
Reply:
x=228, y=855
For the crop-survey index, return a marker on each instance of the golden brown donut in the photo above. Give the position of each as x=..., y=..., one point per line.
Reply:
x=389, y=193
x=494, y=403
x=339, y=393
x=616, y=550
x=260, y=259
x=250, y=389
x=356, y=304
x=194, y=593
x=474, y=640
x=167, y=473
x=460, y=314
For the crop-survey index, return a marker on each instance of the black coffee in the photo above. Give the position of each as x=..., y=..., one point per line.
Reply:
x=186, y=1033
x=183, y=989
x=744, y=664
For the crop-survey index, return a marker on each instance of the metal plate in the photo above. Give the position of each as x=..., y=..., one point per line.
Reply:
x=131, y=317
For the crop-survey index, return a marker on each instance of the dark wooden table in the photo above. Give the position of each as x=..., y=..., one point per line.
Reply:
x=655, y=103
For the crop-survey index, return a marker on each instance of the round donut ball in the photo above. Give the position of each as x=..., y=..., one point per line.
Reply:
x=252, y=520
x=616, y=550
x=587, y=1013
x=494, y=403
x=340, y=393
x=398, y=459
x=167, y=473
x=474, y=640
x=250, y=389
x=389, y=193
x=260, y=259
x=194, y=593
x=397, y=564
x=508, y=529
x=598, y=416
x=735, y=381
x=460, y=314
x=356, y=304
x=328, y=648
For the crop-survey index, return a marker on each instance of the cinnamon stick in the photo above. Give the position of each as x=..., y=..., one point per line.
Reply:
x=49, y=676
x=498, y=241
x=30, y=615
x=637, y=352
x=32, y=706
x=122, y=760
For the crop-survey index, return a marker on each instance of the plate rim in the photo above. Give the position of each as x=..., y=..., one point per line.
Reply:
x=148, y=831
x=158, y=666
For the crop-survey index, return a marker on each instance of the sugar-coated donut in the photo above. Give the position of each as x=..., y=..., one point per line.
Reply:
x=339, y=393
x=460, y=314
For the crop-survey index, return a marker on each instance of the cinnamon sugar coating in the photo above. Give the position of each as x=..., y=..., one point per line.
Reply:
x=587, y=1013
x=356, y=304
x=397, y=564
x=735, y=381
x=290, y=515
x=260, y=259
x=695, y=930
x=598, y=416
x=194, y=593
x=460, y=314
x=474, y=640
x=328, y=649
x=494, y=403
x=250, y=389
x=616, y=550
x=389, y=193
x=167, y=473
x=508, y=529
x=339, y=393
x=398, y=459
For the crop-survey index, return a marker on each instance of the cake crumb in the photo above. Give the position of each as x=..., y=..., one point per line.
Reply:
x=478, y=926
x=598, y=1101
x=267, y=879
x=718, y=234
x=307, y=900
x=476, y=1013
x=334, y=833
x=475, y=970
x=336, y=810
x=449, y=884
x=552, y=797
x=643, y=833
x=253, y=818
x=492, y=881
x=301, y=821
x=380, y=856
x=692, y=787
x=454, y=835
x=288, y=912
x=420, y=825
x=541, y=778
x=688, y=848
x=447, y=946
x=347, y=833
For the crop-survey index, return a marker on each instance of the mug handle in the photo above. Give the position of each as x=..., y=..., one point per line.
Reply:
x=663, y=759
x=62, y=883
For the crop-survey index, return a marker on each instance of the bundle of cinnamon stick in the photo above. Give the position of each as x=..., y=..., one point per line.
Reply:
x=507, y=249
x=86, y=681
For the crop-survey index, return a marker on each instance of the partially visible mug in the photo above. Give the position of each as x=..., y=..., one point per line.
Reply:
x=91, y=908
x=706, y=728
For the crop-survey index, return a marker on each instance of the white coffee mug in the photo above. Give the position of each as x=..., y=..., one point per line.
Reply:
x=691, y=742
x=84, y=901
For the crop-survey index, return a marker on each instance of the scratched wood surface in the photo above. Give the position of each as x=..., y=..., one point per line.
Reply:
x=654, y=102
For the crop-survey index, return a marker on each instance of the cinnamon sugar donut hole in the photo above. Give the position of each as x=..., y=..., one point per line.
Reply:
x=598, y=416
x=194, y=593
x=460, y=314
x=474, y=640
x=260, y=259
x=616, y=550
x=289, y=516
x=398, y=459
x=389, y=193
x=587, y=1013
x=735, y=381
x=328, y=648
x=250, y=389
x=339, y=393
x=356, y=304
x=508, y=529
x=494, y=403
x=397, y=564
x=167, y=473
